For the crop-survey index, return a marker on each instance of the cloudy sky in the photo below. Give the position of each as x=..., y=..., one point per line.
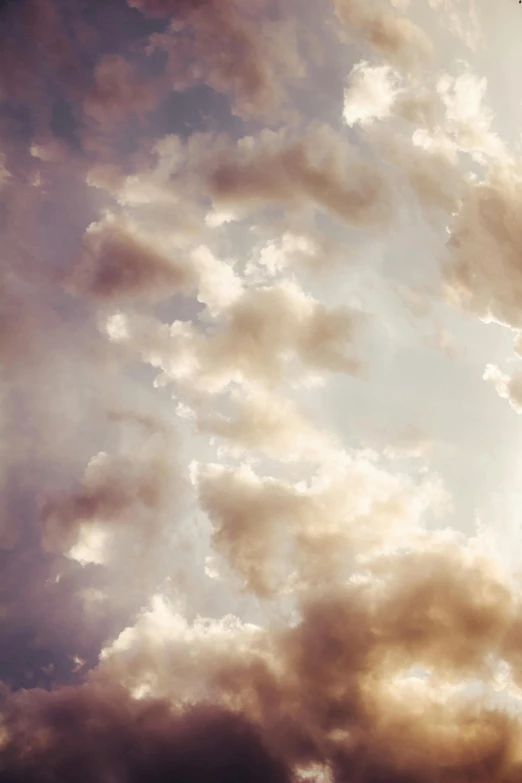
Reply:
x=260, y=391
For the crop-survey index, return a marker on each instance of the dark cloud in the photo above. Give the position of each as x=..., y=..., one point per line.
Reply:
x=207, y=39
x=95, y=733
x=337, y=690
x=116, y=264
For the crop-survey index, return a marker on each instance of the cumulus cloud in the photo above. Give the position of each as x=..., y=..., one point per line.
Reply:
x=336, y=688
x=370, y=94
x=123, y=497
x=206, y=40
x=507, y=386
x=300, y=248
x=396, y=38
x=321, y=168
x=482, y=273
x=117, y=264
x=266, y=422
x=254, y=339
x=467, y=120
x=97, y=732
x=275, y=534
x=415, y=138
x=118, y=91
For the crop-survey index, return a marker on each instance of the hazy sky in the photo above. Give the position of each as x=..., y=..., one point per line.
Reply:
x=260, y=391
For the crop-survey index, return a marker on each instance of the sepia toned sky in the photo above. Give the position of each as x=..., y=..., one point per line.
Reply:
x=260, y=391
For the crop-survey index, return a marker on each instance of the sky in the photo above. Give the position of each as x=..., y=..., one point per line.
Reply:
x=260, y=391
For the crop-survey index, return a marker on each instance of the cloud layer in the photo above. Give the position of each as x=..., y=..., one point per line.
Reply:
x=252, y=256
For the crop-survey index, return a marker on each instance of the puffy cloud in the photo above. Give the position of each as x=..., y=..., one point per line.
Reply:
x=301, y=248
x=395, y=38
x=206, y=40
x=467, y=120
x=141, y=657
x=265, y=422
x=434, y=175
x=253, y=339
x=507, y=386
x=275, y=534
x=119, y=90
x=117, y=264
x=97, y=732
x=370, y=94
x=427, y=161
x=336, y=687
x=320, y=168
x=449, y=119
x=483, y=273
x=125, y=490
x=218, y=285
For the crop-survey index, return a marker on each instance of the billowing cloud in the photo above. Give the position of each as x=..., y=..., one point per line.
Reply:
x=321, y=168
x=396, y=38
x=255, y=337
x=370, y=94
x=274, y=533
x=117, y=264
x=119, y=90
x=116, y=490
x=95, y=732
x=507, y=386
x=483, y=272
x=206, y=40
x=334, y=688
x=265, y=422
x=300, y=248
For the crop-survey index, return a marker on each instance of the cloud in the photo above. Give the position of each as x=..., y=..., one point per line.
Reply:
x=276, y=535
x=508, y=387
x=370, y=94
x=301, y=248
x=254, y=339
x=141, y=657
x=116, y=264
x=442, y=341
x=120, y=90
x=206, y=40
x=336, y=687
x=266, y=422
x=320, y=168
x=397, y=39
x=409, y=128
x=101, y=732
x=482, y=272
x=123, y=490
x=408, y=444
x=462, y=22
x=202, y=561
x=467, y=120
